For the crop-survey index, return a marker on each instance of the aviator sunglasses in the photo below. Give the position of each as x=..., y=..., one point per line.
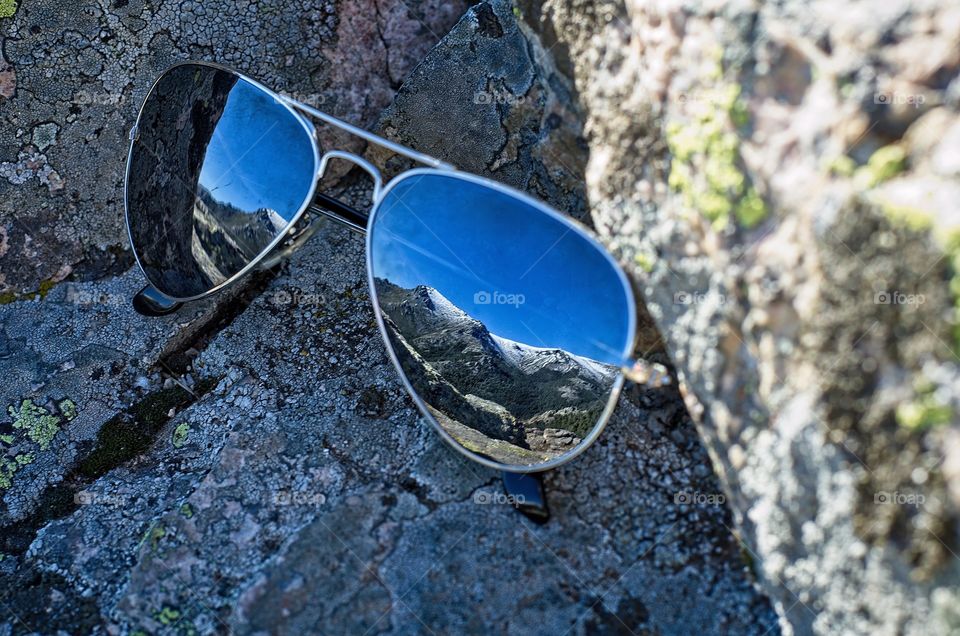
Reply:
x=511, y=326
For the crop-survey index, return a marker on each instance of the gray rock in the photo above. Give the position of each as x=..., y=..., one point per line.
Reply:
x=779, y=177
x=491, y=100
x=83, y=71
x=291, y=486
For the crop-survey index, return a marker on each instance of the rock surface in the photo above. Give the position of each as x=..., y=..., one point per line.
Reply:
x=73, y=76
x=784, y=179
x=253, y=463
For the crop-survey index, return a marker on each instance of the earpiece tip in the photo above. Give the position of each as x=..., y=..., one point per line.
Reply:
x=526, y=494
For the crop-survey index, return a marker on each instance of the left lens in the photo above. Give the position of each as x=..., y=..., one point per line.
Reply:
x=218, y=171
x=509, y=323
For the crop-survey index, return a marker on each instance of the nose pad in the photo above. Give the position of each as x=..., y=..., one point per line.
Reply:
x=356, y=160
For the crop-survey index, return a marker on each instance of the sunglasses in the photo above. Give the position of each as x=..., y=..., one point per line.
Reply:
x=511, y=326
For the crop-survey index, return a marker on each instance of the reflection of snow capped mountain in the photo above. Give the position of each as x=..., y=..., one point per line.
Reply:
x=525, y=379
x=424, y=310
x=532, y=359
x=434, y=310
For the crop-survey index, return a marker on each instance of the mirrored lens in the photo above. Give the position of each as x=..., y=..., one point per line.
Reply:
x=218, y=171
x=509, y=323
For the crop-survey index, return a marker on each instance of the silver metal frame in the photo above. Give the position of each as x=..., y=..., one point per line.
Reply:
x=437, y=167
x=573, y=225
x=319, y=164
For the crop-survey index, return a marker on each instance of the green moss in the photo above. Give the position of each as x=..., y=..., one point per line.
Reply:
x=9, y=467
x=7, y=8
x=68, y=409
x=914, y=218
x=45, y=285
x=181, y=434
x=152, y=410
x=884, y=164
x=842, y=166
x=37, y=422
x=645, y=261
x=117, y=441
x=186, y=510
x=130, y=434
x=706, y=160
x=923, y=413
x=167, y=616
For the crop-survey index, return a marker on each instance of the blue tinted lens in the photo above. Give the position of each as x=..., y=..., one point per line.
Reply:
x=510, y=323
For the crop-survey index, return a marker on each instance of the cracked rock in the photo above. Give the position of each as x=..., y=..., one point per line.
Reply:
x=256, y=463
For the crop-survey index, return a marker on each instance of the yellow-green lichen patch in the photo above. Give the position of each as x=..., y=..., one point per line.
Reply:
x=706, y=166
x=167, y=616
x=153, y=536
x=12, y=296
x=36, y=422
x=10, y=465
x=842, y=166
x=645, y=261
x=7, y=8
x=914, y=218
x=68, y=409
x=186, y=510
x=181, y=434
x=925, y=411
x=883, y=165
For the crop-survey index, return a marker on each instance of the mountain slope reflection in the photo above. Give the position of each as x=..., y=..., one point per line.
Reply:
x=226, y=238
x=510, y=401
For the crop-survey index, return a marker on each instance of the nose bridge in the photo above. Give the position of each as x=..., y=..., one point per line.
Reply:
x=356, y=160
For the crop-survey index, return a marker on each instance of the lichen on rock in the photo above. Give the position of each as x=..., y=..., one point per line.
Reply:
x=825, y=383
x=36, y=422
x=7, y=8
x=706, y=167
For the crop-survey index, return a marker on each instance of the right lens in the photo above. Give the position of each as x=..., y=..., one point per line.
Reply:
x=218, y=171
x=509, y=323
